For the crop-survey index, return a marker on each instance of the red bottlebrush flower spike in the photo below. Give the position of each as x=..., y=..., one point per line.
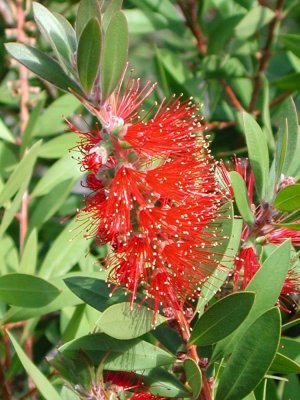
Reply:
x=153, y=195
x=246, y=264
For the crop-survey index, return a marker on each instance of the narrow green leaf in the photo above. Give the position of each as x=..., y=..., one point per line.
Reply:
x=281, y=151
x=288, y=199
x=290, y=324
x=22, y=173
x=63, y=169
x=31, y=124
x=88, y=54
x=253, y=21
x=54, y=33
x=114, y=56
x=29, y=257
x=163, y=383
x=24, y=290
x=111, y=9
x=289, y=82
x=258, y=152
x=68, y=30
x=241, y=197
x=284, y=365
x=267, y=286
x=216, y=280
x=11, y=210
x=5, y=133
x=288, y=131
x=193, y=376
x=125, y=355
x=94, y=292
x=70, y=331
x=87, y=9
x=295, y=227
x=292, y=42
x=47, y=206
x=222, y=318
x=251, y=357
x=52, y=121
x=59, y=146
x=64, y=299
x=66, y=250
x=128, y=321
x=42, y=383
x=42, y=65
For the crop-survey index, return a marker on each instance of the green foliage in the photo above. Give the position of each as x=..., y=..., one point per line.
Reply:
x=240, y=59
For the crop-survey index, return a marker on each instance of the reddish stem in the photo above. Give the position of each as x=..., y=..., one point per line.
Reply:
x=24, y=114
x=265, y=54
x=235, y=101
x=191, y=19
x=192, y=353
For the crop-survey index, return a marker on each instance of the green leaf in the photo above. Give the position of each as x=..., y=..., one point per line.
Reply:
x=231, y=228
x=114, y=56
x=284, y=365
x=47, y=206
x=267, y=286
x=11, y=210
x=88, y=53
x=281, y=152
x=128, y=321
x=31, y=124
x=162, y=383
x=42, y=65
x=292, y=42
x=295, y=227
x=22, y=173
x=113, y=7
x=289, y=82
x=253, y=21
x=288, y=199
x=193, y=376
x=59, y=146
x=118, y=355
x=94, y=292
x=288, y=132
x=251, y=357
x=63, y=169
x=68, y=30
x=5, y=133
x=222, y=318
x=258, y=152
x=52, y=121
x=241, y=197
x=66, y=250
x=64, y=299
x=54, y=33
x=87, y=9
x=42, y=383
x=29, y=256
x=24, y=290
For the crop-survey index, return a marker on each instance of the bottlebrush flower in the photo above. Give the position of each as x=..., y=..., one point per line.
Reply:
x=153, y=195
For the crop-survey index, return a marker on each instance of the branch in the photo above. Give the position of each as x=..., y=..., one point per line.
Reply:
x=265, y=54
x=24, y=114
x=191, y=20
x=235, y=101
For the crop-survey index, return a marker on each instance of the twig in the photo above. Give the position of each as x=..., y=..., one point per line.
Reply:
x=192, y=353
x=191, y=19
x=24, y=114
x=235, y=101
x=265, y=54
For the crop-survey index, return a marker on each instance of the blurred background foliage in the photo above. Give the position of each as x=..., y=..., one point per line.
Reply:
x=229, y=55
